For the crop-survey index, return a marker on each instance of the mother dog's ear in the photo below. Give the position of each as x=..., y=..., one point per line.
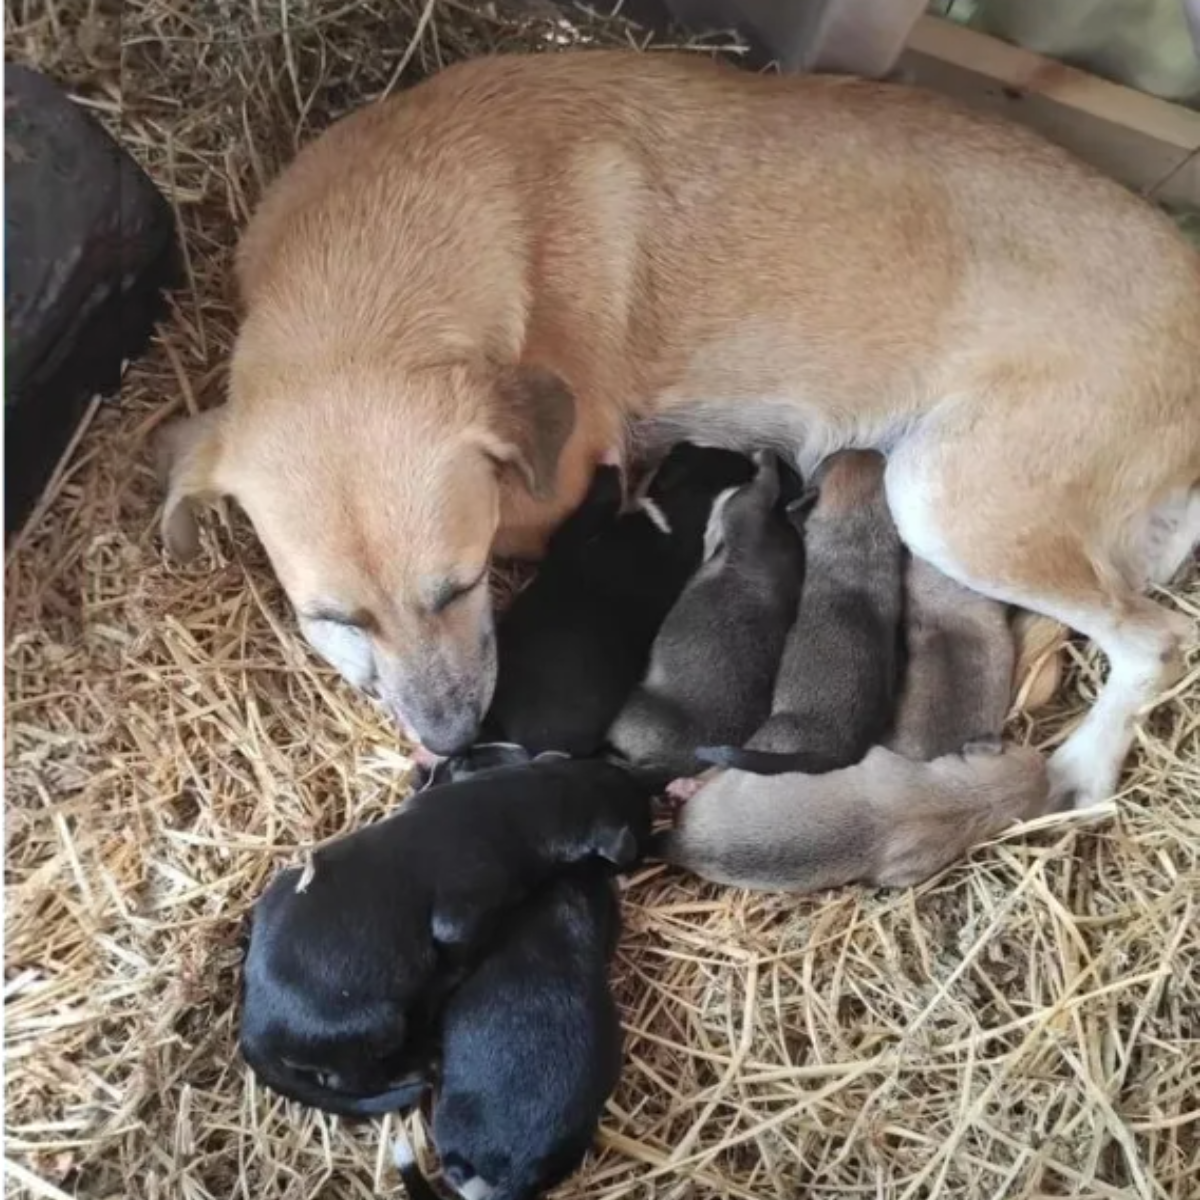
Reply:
x=188, y=454
x=529, y=423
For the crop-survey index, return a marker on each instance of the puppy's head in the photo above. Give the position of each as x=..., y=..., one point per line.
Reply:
x=847, y=481
x=484, y=756
x=740, y=516
x=686, y=485
x=692, y=470
x=378, y=501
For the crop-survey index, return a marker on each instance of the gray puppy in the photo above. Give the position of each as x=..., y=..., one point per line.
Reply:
x=959, y=672
x=886, y=821
x=713, y=664
x=835, y=695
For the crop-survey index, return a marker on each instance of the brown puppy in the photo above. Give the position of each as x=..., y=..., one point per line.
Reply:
x=459, y=300
x=713, y=666
x=835, y=693
x=886, y=821
x=958, y=678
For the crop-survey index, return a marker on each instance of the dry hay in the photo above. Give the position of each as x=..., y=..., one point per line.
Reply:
x=1025, y=1025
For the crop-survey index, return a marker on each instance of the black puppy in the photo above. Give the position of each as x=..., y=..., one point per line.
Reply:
x=350, y=960
x=576, y=641
x=531, y=1048
x=483, y=756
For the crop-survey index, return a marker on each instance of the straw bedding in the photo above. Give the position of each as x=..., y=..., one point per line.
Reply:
x=1026, y=1025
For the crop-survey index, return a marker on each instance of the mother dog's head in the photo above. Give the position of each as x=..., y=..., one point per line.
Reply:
x=380, y=499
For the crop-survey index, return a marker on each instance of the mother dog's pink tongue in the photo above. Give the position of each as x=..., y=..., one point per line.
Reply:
x=422, y=757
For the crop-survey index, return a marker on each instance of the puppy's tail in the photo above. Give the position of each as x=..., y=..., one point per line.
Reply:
x=415, y=1184
x=653, y=779
x=659, y=845
x=767, y=762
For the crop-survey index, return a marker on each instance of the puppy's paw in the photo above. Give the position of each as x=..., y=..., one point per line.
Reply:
x=620, y=846
x=680, y=791
x=990, y=744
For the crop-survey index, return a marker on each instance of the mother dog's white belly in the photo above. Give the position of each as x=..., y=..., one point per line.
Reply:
x=768, y=385
x=800, y=431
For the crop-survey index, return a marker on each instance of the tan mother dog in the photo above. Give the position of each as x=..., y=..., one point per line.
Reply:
x=458, y=301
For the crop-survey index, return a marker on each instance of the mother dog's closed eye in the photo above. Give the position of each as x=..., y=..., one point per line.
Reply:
x=382, y=562
x=458, y=301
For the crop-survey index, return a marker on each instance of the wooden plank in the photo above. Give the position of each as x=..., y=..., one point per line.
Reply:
x=1148, y=144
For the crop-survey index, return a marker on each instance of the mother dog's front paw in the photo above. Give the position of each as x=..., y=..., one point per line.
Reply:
x=1080, y=780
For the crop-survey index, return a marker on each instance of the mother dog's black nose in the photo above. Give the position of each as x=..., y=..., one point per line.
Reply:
x=451, y=736
x=442, y=730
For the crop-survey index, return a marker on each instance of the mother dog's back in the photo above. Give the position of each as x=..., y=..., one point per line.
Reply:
x=699, y=218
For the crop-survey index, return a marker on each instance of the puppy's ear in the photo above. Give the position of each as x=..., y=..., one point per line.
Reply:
x=188, y=455
x=791, y=485
x=799, y=509
x=766, y=478
x=530, y=422
x=714, y=531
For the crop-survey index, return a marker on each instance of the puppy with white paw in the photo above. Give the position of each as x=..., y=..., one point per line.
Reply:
x=530, y=1049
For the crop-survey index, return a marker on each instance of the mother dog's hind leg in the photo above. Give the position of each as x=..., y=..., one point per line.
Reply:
x=1007, y=530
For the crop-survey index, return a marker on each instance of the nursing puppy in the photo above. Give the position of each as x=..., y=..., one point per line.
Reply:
x=460, y=300
x=484, y=756
x=835, y=695
x=531, y=1048
x=886, y=821
x=349, y=961
x=576, y=639
x=959, y=661
x=712, y=669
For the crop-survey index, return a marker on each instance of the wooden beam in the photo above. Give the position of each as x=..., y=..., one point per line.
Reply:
x=854, y=37
x=1148, y=144
x=863, y=37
